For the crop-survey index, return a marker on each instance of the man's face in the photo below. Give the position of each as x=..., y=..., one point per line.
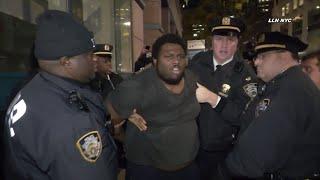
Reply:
x=268, y=65
x=104, y=64
x=84, y=67
x=171, y=63
x=224, y=47
x=312, y=68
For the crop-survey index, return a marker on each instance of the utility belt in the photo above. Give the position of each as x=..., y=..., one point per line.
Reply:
x=277, y=176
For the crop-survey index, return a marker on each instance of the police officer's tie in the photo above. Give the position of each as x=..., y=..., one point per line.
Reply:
x=218, y=67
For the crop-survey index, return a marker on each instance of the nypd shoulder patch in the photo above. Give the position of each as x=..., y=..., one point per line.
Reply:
x=251, y=89
x=261, y=107
x=90, y=146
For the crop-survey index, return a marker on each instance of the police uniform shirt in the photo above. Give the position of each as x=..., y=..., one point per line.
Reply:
x=105, y=85
x=235, y=83
x=284, y=136
x=51, y=135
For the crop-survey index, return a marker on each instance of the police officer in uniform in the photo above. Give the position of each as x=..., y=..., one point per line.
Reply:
x=105, y=80
x=233, y=85
x=282, y=141
x=55, y=126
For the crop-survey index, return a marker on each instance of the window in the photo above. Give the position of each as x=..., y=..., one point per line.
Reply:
x=287, y=8
x=301, y=2
x=123, y=36
x=295, y=4
x=283, y=11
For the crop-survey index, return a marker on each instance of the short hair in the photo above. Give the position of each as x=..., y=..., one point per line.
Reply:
x=167, y=38
x=315, y=54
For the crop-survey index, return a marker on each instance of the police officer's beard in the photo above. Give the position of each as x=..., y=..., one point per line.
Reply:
x=169, y=80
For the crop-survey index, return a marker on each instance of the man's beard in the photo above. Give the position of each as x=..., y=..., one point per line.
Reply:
x=170, y=80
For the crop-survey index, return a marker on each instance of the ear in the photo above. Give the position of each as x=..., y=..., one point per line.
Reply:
x=65, y=61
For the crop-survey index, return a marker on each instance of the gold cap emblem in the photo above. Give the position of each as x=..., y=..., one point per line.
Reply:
x=225, y=21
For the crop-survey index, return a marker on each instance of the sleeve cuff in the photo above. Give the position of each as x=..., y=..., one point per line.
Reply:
x=220, y=104
x=219, y=98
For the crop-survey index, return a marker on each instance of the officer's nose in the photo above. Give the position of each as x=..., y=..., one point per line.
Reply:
x=257, y=61
x=94, y=58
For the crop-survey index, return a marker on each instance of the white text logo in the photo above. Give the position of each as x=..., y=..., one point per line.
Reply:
x=279, y=20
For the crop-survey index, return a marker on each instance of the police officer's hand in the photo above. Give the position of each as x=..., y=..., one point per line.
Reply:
x=204, y=95
x=138, y=120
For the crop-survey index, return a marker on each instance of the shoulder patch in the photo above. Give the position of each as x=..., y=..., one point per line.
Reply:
x=90, y=146
x=251, y=89
x=262, y=106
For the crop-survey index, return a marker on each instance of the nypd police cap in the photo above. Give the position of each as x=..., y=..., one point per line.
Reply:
x=227, y=26
x=269, y=41
x=103, y=49
x=59, y=34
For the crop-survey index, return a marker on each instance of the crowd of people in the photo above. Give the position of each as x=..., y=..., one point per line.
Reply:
x=210, y=118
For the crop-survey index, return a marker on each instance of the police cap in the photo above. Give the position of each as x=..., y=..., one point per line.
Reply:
x=269, y=41
x=59, y=34
x=103, y=49
x=227, y=26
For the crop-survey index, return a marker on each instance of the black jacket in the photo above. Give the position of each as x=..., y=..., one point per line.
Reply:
x=55, y=129
x=105, y=85
x=235, y=82
x=283, y=137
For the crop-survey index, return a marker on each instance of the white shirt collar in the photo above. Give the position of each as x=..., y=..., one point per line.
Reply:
x=216, y=63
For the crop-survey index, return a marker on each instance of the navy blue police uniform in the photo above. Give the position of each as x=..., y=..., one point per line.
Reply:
x=104, y=84
x=282, y=141
x=55, y=126
x=235, y=83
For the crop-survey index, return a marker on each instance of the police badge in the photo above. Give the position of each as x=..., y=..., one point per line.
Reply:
x=251, y=89
x=224, y=90
x=262, y=106
x=90, y=146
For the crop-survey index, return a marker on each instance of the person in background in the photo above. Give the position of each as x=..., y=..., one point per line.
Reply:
x=105, y=80
x=282, y=141
x=311, y=66
x=55, y=126
x=144, y=60
x=232, y=83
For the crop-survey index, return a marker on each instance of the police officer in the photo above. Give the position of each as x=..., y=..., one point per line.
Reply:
x=311, y=66
x=144, y=60
x=282, y=141
x=55, y=125
x=105, y=80
x=232, y=81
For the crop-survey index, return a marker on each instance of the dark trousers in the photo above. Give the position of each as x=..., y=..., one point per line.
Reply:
x=141, y=172
x=208, y=161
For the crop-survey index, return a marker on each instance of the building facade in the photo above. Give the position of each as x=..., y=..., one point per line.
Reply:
x=303, y=20
x=129, y=25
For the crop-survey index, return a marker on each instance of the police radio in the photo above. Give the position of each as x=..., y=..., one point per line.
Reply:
x=75, y=98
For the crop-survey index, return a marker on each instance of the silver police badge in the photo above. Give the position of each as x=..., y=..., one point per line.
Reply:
x=251, y=89
x=90, y=146
x=262, y=106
